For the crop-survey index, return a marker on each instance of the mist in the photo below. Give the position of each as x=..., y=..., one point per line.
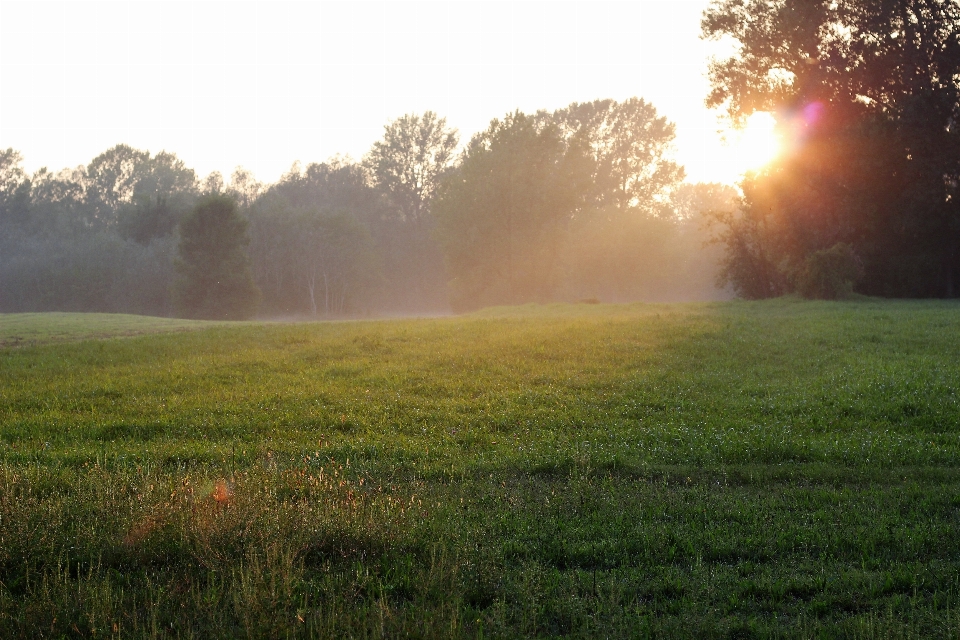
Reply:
x=579, y=204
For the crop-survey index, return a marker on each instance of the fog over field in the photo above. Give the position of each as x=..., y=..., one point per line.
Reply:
x=396, y=319
x=340, y=131
x=396, y=158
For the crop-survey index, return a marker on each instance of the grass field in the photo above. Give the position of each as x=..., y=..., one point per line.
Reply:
x=29, y=329
x=775, y=469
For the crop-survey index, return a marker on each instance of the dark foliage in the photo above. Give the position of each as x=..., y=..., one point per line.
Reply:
x=88, y=240
x=213, y=271
x=312, y=250
x=830, y=274
x=868, y=93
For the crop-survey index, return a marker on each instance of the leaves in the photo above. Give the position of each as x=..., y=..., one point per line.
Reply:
x=213, y=272
x=407, y=164
x=867, y=93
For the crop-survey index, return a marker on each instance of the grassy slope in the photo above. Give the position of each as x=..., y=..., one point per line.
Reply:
x=729, y=469
x=29, y=329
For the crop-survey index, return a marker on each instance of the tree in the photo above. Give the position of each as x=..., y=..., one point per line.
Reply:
x=94, y=238
x=244, y=187
x=753, y=261
x=148, y=219
x=14, y=189
x=406, y=166
x=212, y=184
x=657, y=251
x=111, y=180
x=502, y=214
x=311, y=244
x=572, y=204
x=410, y=159
x=123, y=176
x=332, y=257
x=212, y=270
x=143, y=195
x=629, y=143
x=869, y=92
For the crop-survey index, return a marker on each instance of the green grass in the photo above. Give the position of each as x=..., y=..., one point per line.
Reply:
x=776, y=469
x=28, y=329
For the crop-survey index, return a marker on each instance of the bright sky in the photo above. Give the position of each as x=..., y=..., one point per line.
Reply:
x=263, y=84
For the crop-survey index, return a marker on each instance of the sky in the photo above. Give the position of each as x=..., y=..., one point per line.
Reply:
x=264, y=84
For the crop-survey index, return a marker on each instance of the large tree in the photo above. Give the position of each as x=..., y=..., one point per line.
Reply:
x=55, y=255
x=868, y=93
x=312, y=249
x=502, y=214
x=123, y=177
x=14, y=189
x=410, y=159
x=406, y=167
x=213, y=277
x=630, y=144
x=571, y=204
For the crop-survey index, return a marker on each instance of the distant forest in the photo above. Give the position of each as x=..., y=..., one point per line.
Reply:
x=580, y=204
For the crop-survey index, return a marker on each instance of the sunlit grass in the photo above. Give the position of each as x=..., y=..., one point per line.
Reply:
x=586, y=470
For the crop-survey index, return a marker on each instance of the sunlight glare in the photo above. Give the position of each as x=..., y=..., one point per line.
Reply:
x=756, y=144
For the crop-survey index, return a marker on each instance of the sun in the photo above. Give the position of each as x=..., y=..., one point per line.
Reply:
x=756, y=144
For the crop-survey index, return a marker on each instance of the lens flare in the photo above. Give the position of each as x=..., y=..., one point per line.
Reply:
x=812, y=112
x=757, y=143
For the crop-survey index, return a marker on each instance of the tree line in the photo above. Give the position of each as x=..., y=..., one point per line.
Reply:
x=581, y=203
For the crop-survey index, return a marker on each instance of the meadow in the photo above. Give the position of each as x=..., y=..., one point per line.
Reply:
x=774, y=469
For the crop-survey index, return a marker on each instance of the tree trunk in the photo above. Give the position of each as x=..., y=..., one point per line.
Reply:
x=326, y=294
x=311, y=283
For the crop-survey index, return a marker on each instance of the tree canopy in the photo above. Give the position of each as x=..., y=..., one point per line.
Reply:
x=312, y=246
x=562, y=205
x=867, y=93
x=579, y=203
x=408, y=162
x=213, y=272
x=629, y=144
x=501, y=213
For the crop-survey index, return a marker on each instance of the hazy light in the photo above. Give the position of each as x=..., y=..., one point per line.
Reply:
x=261, y=84
x=756, y=144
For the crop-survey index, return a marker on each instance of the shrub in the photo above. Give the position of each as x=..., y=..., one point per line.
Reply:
x=830, y=274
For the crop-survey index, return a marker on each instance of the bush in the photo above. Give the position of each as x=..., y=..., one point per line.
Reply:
x=830, y=274
x=213, y=277
x=754, y=264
